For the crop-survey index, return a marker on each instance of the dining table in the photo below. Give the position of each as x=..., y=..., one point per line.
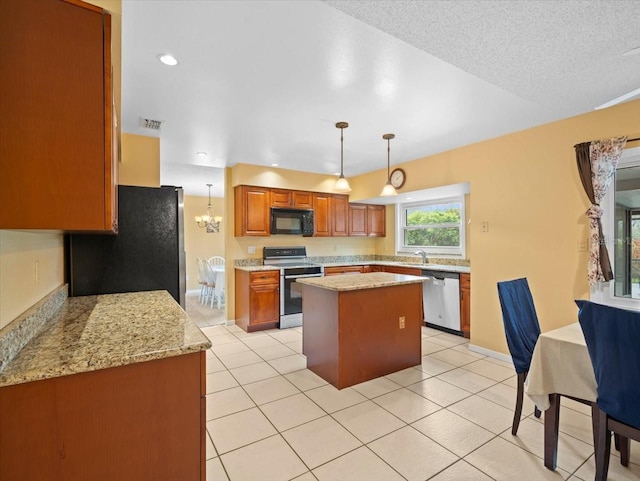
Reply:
x=560, y=366
x=219, y=279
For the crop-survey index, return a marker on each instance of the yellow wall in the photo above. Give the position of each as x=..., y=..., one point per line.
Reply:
x=20, y=250
x=526, y=186
x=140, y=161
x=198, y=243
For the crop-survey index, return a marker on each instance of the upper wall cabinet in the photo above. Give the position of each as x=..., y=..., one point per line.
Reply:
x=294, y=199
x=251, y=211
x=367, y=220
x=58, y=166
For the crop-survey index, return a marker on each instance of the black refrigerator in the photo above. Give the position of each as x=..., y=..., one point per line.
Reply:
x=146, y=254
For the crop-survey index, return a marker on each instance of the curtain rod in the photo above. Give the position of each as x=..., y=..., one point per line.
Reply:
x=635, y=139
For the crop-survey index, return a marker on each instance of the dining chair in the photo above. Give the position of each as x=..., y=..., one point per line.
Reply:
x=216, y=260
x=201, y=279
x=613, y=339
x=522, y=331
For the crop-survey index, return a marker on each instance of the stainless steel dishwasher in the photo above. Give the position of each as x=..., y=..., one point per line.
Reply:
x=441, y=300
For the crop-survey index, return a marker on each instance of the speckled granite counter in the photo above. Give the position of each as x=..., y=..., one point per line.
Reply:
x=96, y=332
x=355, y=282
x=433, y=267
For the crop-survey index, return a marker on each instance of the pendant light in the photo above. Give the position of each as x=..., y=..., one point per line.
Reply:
x=388, y=189
x=342, y=185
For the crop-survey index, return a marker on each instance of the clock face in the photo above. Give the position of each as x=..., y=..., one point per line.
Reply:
x=398, y=178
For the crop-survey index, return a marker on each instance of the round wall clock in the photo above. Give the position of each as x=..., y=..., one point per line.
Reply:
x=398, y=178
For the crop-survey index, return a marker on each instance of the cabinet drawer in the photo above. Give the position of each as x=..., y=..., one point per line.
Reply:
x=409, y=271
x=336, y=271
x=264, y=277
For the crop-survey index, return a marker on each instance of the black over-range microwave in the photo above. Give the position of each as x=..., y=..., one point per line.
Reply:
x=292, y=221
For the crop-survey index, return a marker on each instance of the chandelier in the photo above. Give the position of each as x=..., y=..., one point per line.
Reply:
x=208, y=220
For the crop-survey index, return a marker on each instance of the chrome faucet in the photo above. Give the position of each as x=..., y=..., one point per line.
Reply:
x=423, y=254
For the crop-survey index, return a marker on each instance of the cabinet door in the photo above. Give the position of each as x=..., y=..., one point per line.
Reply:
x=340, y=212
x=410, y=271
x=251, y=211
x=465, y=304
x=281, y=198
x=376, y=221
x=339, y=270
x=302, y=200
x=264, y=302
x=357, y=219
x=322, y=215
x=56, y=152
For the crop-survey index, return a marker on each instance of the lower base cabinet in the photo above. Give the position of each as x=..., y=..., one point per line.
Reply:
x=465, y=304
x=257, y=300
x=140, y=421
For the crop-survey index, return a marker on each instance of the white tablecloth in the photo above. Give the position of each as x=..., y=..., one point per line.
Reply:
x=561, y=364
x=220, y=279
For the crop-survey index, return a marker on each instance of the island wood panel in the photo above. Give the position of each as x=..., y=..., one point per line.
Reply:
x=354, y=336
x=139, y=421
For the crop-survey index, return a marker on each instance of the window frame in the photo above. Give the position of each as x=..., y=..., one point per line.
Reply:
x=604, y=292
x=440, y=251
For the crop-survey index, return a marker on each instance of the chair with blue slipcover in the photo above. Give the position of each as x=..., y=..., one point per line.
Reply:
x=522, y=331
x=613, y=340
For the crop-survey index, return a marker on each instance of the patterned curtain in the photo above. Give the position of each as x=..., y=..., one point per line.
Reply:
x=597, y=163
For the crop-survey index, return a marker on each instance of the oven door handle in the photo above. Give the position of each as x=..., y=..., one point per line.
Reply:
x=303, y=275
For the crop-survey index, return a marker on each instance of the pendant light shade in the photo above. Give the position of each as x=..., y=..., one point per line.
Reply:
x=388, y=190
x=342, y=185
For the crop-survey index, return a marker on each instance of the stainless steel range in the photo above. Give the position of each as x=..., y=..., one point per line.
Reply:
x=293, y=265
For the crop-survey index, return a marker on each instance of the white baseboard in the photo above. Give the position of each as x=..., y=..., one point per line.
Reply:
x=490, y=353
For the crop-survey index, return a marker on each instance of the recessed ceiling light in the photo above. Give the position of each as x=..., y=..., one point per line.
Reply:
x=274, y=165
x=201, y=154
x=168, y=59
x=336, y=173
x=633, y=51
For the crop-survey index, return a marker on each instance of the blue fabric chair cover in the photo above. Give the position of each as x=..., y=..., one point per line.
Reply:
x=613, y=340
x=520, y=321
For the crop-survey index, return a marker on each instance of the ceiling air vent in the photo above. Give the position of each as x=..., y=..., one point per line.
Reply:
x=151, y=124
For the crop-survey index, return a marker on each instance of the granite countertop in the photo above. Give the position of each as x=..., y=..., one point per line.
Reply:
x=96, y=332
x=354, y=282
x=432, y=267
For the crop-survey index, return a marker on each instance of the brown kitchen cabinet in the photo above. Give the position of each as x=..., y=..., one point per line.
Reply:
x=57, y=149
x=465, y=304
x=339, y=215
x=367, y=220
x=252, y=211
x=144, y=420
x=322, y=217
x=339, y=270
x=257, y=299
x=358, y=220
x=410, y=271
x=291, y=199
x=376, y=221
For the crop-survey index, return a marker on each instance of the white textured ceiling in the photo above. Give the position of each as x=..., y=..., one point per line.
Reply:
x=264, y=82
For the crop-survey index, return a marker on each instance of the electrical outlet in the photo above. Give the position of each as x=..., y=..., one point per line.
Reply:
x=36, y=273
x=484, y=226
x=582, y=245
x=401, y=322
x=252, y=249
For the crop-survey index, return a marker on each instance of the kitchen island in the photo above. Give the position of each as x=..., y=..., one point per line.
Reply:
x=359, y=327
x=111, y=387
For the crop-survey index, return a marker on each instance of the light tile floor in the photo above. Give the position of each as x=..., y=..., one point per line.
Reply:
x=270, y=419
x=203, y=316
